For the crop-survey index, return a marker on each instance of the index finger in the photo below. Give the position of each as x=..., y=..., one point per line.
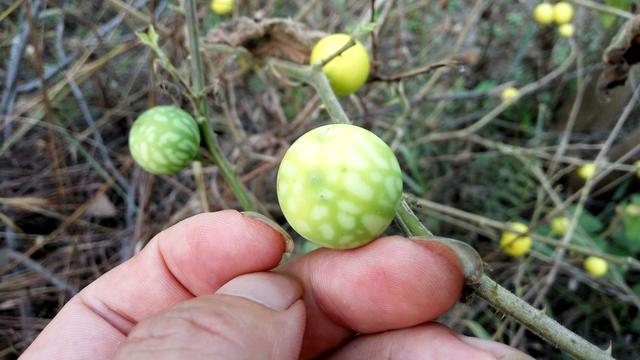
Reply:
x=391, y=283
x=191, y=258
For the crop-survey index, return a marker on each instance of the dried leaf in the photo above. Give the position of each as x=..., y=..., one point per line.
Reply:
x=272, y=37
x=622, y=53
x=101, y=207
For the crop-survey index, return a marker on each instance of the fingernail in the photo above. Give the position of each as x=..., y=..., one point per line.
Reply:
x=500, y=351
x=472, y=264
x=275, y=291
x=288, y=240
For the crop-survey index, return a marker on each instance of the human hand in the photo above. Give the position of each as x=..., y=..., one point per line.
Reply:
x=202, y=289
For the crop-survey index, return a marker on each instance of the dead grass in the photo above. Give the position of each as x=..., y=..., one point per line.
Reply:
x=73, y=204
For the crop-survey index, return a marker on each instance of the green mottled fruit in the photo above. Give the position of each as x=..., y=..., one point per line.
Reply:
x=164, y=140
x=339, y=186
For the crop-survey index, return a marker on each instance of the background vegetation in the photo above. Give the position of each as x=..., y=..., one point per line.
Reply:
x=73, y=204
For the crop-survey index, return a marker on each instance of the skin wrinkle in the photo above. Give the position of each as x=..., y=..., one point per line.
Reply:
x=220, y=322
x=120, y=322
x=165, y=279
x=315, y=279
x=174, y=271
x=430, y=280
x=173, y=279
x=311, y=302
x=199, y=240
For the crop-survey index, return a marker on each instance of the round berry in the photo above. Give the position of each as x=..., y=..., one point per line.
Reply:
x=543, y=13
x=339, y=186
x=346, y=72
x=596, y=266
x=222, y=7
x=559, y=225
x=566, y=30
x=164, y=140
x=509, y=94
x=562, y=12
x=587, y=171
x=516, y=242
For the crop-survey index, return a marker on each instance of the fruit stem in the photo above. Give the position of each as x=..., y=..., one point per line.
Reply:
x=499, y=297
x=345, y=47
x=315, y=77
x=210, y=138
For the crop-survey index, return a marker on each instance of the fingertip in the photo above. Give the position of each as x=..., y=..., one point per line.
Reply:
x=426, y=341
x=275, y=291
x=206, y=250
x=499, y=350
x=449, y=256
x=399, y=281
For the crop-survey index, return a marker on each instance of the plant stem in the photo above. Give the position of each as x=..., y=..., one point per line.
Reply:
x=408, y=220
x=316, y=78
x=210, y=138
x=499, y=297
x=538, y=322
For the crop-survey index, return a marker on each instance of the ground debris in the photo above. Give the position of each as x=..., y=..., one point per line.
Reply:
x=622, y=53
x=270, y=37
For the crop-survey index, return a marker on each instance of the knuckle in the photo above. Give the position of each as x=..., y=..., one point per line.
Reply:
x=199, y=326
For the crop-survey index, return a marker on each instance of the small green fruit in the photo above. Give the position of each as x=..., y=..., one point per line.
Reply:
x=559, y=225
x=222, y=7
x=587, y=171
x=566, y=30
x=543, y=13
x=562, y=12
x=509, y=94
x=339, y=186
x=346, y=72
x=516, y=243
x=596, y=266
x=164, y=140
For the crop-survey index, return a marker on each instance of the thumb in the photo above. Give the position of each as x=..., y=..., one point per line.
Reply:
x=254, y=316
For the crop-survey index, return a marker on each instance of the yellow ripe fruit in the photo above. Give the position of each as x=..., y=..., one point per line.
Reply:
x=559, y=225
x=566, y=30
x=347, y=72
x=516, y=243
x=543, y=13
x=562, y=12
x=587, y=171
x=596, y=266
x=638, y=166
x=222, y=7
x=509, y=94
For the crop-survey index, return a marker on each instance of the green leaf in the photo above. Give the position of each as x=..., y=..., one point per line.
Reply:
x=477, y=330
x=590, y=223
x=608, y=20
x=631, y=221
x=150, y=38
x=364, y=29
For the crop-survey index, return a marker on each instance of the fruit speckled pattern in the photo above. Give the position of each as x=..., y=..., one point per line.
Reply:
x=339, y=185
x=164, y=140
